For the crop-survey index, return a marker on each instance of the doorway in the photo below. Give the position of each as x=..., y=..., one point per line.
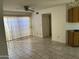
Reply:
x=46, y=25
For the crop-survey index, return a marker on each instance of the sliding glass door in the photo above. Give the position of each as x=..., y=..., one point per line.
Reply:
x=17, y=27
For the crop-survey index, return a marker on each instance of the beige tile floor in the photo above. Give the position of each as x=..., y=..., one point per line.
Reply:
x=38, y=48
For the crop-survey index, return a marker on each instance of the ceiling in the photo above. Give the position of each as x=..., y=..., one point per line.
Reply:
x=17, y=5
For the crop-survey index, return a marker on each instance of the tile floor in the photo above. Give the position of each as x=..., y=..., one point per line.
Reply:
x=38, y=48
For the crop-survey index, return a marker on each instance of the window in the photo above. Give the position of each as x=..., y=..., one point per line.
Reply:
x=17, y=27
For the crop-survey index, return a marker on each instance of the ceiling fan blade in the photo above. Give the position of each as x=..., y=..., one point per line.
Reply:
x=27, y=8
x=31, y=10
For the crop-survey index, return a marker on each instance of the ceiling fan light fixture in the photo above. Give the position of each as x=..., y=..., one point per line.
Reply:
x=74, y=4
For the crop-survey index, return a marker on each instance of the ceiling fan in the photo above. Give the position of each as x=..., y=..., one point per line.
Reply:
x=27, y=8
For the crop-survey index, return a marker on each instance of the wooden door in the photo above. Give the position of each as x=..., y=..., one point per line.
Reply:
x=76, y=38
x=70, y=15
x=70, y=38
x=76, y=14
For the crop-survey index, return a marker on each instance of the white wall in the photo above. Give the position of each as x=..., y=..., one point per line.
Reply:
x=37, y=25
x=58, y=22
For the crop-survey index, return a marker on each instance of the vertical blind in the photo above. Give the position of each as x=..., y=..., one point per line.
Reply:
x=17, y=27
